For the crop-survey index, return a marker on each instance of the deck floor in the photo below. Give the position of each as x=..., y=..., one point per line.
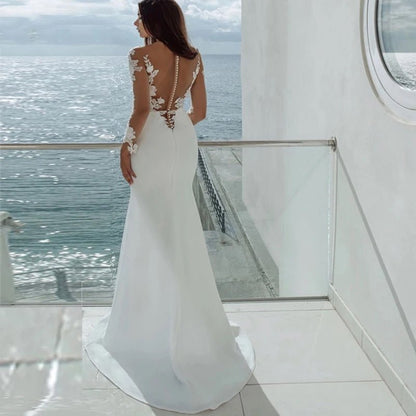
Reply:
x=307, y=363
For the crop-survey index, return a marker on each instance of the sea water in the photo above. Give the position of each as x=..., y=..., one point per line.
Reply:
x=73, y=202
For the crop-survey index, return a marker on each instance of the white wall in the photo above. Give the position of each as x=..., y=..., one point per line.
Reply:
x=291, y=215
x=303, y=77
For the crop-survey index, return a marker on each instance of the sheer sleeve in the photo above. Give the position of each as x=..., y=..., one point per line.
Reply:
x=141, y=99
x=198, y=91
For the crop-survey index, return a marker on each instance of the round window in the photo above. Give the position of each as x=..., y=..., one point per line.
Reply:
x=389, y=43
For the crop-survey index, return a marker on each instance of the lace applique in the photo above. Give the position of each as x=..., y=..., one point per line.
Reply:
x=129, y=137
x=195, y=73
x=133, y=65
x=170, y=119
x=180, y=100
x=155, y=102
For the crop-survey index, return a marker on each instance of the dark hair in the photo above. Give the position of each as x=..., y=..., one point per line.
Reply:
x=164, y=21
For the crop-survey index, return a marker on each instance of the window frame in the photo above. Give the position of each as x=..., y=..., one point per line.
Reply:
x=398, y=100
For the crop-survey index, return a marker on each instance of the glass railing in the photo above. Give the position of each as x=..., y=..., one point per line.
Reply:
x=265, y=207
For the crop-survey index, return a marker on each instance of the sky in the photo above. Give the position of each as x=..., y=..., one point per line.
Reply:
x=105, y=27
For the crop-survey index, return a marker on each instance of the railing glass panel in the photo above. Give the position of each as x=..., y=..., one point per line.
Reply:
x=265, y=211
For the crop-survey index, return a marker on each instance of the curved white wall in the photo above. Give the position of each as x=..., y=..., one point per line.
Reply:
x=304, y=77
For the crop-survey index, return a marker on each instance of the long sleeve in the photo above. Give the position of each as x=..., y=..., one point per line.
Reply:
x=141, y=99
x=198, y=92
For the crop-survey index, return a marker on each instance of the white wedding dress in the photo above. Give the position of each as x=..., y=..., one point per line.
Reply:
x=167, y=340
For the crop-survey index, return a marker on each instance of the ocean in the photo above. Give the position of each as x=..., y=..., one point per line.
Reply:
x=73, y=203
x=89, y=99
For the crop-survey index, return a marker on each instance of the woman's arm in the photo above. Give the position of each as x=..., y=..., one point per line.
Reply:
x=141, y=100
x=198, y=109
x=141, y=110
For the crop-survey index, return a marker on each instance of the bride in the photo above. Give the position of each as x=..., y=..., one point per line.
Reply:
x=167, y=341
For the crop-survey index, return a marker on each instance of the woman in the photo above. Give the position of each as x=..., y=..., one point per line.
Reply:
x=167, y=341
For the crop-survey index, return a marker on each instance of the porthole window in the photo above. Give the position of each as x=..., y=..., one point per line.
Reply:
x=389, y=48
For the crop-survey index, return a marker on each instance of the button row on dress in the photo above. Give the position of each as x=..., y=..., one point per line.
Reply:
x=170, y=112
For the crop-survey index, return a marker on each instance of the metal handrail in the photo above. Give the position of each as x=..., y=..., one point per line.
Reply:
x=202, y=143
x=212, y=192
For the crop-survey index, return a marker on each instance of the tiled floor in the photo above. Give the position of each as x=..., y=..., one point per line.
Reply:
x=308, y=364
x=40, y=360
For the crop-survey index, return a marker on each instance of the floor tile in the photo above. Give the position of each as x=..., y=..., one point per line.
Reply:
x=38, y=386
x=114, y=403
x=303, y=346
x=95, y=310
x=69, y=344
x=31, y=332
x=276, y=305
x=321, y=399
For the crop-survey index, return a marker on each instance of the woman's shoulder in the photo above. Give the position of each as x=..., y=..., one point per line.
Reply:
x=139, y=50
x=152, y=50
